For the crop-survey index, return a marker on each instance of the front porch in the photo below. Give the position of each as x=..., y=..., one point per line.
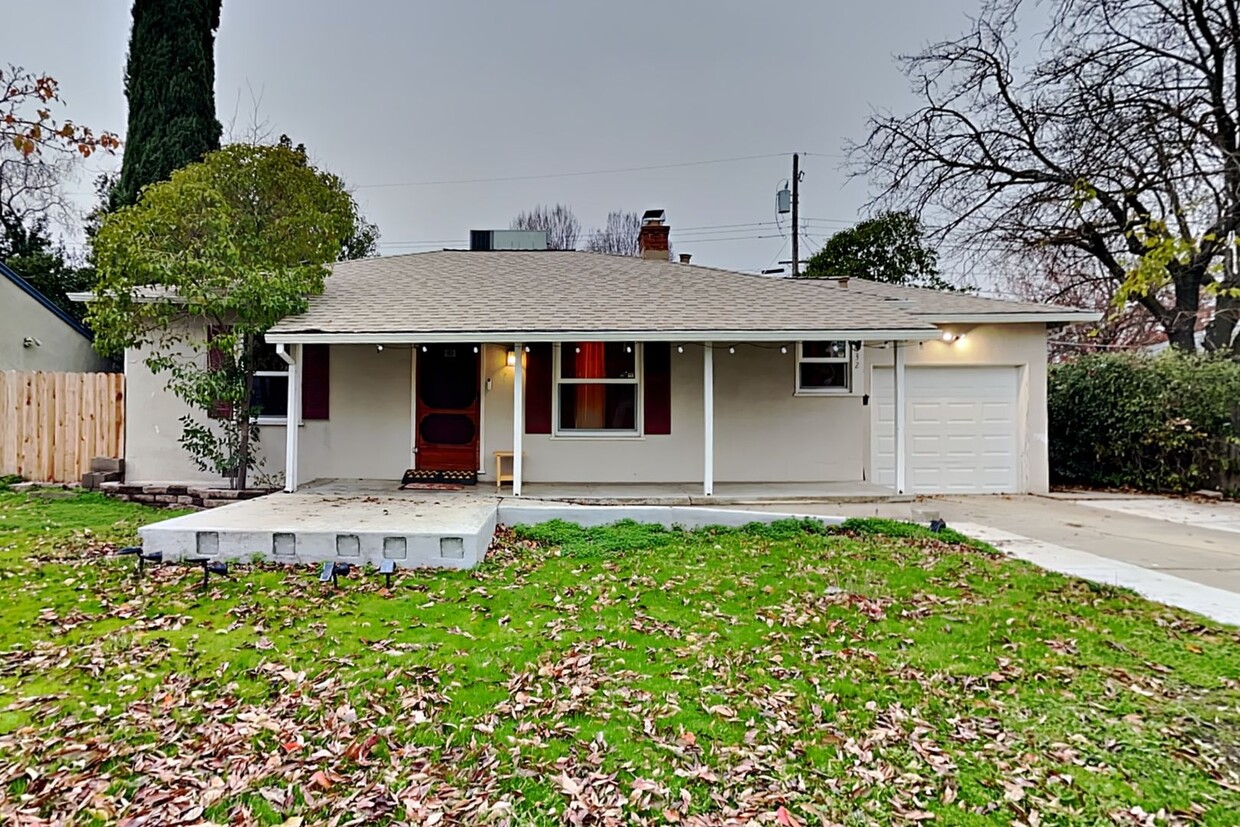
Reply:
x=680, y=423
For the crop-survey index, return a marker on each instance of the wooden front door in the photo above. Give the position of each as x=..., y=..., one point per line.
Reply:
x=448, y=378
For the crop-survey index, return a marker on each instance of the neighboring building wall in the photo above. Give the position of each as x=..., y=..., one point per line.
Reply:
x=60, y=348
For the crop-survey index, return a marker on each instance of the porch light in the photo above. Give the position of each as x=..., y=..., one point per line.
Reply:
x=510, y=358
x=680, y=348
x=783, y=349
x=731, y=350
x=424, y=348
x=379, y=348
x=475, y=348
x=947, y=336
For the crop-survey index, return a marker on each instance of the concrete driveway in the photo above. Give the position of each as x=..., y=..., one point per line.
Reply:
x=1197, y=542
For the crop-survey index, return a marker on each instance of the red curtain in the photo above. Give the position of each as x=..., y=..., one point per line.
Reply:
x=591, y=364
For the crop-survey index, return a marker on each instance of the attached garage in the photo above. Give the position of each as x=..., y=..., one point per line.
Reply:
x=961, y=429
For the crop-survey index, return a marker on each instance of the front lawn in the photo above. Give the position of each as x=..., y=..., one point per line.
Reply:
x=774, y=675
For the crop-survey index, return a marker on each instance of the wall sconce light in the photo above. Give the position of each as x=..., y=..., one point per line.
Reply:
x=951, y=338
x=511, y=358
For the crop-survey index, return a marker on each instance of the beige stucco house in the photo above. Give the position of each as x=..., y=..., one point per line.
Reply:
x=591, y=368
x=36, y=335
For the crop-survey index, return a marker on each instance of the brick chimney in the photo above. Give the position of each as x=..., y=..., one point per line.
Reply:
x=652, y=239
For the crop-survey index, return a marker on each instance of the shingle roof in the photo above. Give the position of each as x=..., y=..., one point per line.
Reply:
x=933, y=304
x=546, y=292
x=449, y=292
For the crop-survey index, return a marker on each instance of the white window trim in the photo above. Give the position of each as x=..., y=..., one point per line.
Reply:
x=264, y=419
x=851, y=360
x=603, y=433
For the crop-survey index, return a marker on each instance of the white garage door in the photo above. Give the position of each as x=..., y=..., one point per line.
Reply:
x=960, y=429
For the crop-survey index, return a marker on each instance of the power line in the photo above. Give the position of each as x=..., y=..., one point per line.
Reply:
x=613, y=171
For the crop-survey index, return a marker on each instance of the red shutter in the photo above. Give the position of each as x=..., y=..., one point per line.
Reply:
x=215, y=361
x=315, y=381
x=657, y=369
x=538, y=366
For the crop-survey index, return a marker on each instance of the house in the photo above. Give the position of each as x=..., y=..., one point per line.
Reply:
x=592, y=368
x=36, y=335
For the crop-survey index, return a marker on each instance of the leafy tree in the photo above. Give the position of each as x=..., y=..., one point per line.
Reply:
x=226, y=248
x=619, y=236
x=363, y=242
x=27, y=124
x=561, y=226
x=890, y=247
x=1113, y=138
x=170, y=85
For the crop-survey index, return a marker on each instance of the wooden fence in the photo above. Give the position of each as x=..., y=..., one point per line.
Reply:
x=53, y=424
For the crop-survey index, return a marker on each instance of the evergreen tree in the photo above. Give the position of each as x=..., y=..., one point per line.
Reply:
x=170, y=85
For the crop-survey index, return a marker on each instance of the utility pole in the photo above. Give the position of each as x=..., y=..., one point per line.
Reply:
x=796, y=227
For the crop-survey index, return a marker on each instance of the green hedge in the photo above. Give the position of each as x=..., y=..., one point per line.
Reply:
x=1163, y=423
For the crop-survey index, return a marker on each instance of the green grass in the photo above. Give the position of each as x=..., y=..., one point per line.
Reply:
x=870, y=674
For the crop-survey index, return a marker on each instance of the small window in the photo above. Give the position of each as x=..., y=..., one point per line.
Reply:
x=823, y=367
x=597, y=389
x=269, y=393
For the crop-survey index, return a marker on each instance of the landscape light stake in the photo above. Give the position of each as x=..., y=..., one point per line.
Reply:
x=387, y=568
x=209, y=567
x=333, y=571
x=937, y=525
x=144, y=557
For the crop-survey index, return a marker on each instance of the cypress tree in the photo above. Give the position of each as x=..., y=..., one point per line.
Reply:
x=170, y=85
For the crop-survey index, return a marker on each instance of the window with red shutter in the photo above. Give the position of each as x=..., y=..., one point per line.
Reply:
x=315, y=381
x=657, y=377
x=216, y=361
x=538, y=368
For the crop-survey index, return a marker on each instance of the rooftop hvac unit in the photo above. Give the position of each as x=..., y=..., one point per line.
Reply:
x=483, y=240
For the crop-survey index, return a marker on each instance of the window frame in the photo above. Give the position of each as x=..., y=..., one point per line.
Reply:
x=271, y=419
x=851, y=370
x=638, y=432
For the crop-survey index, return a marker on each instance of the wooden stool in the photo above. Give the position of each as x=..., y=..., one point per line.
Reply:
x=500, y=476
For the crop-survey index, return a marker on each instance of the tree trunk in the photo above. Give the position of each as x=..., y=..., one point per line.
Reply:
x=1181, y=325
x=243, y=419
x=1226, y=310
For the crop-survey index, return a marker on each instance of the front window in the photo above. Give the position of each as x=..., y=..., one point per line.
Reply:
x=269, y=396
x=597, y=388
x=823, y=367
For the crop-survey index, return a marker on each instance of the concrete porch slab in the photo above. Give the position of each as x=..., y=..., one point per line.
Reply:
x=367, y=521
x=414, y=528
x=726, y=493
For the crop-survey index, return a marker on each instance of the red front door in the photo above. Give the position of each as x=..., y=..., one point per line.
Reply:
x=448, y=379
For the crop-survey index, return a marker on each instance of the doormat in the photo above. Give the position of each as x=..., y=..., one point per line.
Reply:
x=428, y=475
x=431, y=486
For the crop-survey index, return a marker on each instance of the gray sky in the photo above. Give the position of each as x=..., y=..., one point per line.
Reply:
x=387, y=93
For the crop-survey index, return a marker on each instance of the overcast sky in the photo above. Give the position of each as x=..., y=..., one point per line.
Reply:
x=389, y=94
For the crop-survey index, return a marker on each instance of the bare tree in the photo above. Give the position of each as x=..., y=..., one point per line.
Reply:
x=1046, y=275
x=1118, y=147
x=561, y=225
x=619, y=236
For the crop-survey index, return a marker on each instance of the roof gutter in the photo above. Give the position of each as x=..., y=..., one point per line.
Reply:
x=1053, y=317
x=529, y=336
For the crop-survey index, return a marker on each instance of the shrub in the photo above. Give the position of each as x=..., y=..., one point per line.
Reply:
x=1164, y=423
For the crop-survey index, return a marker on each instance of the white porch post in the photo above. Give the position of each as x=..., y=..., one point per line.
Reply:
x=518, y=413
x=293, y=420
x=708, y=419
x=898, y=400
